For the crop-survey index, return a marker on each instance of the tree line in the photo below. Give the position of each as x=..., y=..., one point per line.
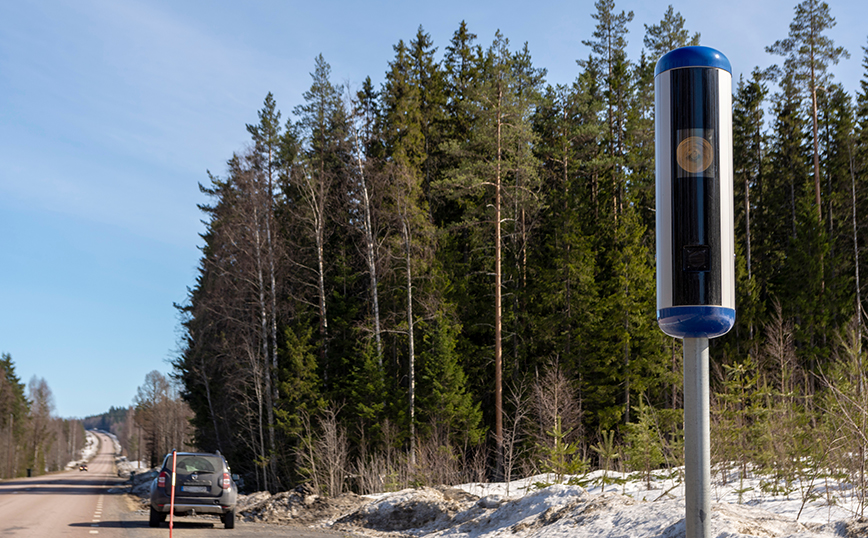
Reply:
x=451, y=277
x=33, y=440
x=156, y=423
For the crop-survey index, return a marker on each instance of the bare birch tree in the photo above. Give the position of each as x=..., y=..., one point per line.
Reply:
x=322, y=128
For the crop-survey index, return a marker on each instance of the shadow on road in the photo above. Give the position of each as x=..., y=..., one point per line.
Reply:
x=86, y=486
x=132, y=524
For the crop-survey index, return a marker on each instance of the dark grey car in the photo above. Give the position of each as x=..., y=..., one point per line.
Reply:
x=203, y=485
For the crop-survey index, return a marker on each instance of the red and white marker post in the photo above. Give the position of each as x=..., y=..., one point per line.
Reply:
x=172, y=494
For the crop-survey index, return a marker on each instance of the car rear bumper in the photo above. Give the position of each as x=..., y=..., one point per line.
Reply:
x=187, y=509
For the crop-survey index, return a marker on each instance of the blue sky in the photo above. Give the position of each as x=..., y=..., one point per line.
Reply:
x=111, y=112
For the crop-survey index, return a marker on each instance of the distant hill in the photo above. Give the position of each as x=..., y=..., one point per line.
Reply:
x=106, y=421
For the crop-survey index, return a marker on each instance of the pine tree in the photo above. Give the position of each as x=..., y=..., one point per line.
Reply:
x=667, y=35
x=809, y=54
x=639, y=143
x=522, y=208
x=497, y=147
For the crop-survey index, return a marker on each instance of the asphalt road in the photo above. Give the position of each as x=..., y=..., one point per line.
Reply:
x=79, y=504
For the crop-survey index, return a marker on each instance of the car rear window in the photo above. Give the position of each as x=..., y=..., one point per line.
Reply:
x=199, y=464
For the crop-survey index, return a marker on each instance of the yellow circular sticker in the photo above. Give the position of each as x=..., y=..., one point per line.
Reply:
x=694, y=154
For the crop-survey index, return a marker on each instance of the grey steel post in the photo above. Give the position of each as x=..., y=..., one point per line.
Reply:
x=697, y=439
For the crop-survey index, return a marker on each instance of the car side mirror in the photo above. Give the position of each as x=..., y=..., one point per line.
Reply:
x=235, y=477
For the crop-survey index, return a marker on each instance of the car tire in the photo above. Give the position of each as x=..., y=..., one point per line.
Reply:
x=229, y=519
x=156, y=518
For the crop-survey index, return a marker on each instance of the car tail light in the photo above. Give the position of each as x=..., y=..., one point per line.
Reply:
x=161, y=480
x=226, y=482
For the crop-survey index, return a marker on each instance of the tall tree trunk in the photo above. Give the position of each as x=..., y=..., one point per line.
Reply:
x=272, y=371
x=626, y=349
x=370, y=251
x=315, y=198
x=567, y=276
x=269, y=397
x=323, y=324
x=260, y=432
x=747, y=222
x=816, y=146
x=411, y=341
x=856, y=257
x=320, y=202
x=498, y=351
x=817, y=170
x=210, y=403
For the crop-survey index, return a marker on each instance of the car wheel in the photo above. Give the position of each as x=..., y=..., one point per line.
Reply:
x=156, y=518
x=229, y=519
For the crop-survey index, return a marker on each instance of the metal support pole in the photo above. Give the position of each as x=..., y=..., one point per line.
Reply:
x=697, y=439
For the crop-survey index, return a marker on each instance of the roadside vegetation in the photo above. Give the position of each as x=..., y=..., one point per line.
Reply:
x=450, y=277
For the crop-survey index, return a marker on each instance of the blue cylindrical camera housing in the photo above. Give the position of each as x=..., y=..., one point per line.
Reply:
x=695, y=240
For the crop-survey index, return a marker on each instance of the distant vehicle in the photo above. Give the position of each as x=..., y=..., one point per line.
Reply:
x=82, y=467
x=204, y=484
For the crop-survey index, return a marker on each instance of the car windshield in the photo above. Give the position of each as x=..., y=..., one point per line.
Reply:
x=197, y=464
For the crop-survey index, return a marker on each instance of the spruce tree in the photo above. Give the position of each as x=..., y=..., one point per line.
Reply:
x=299, y=384
x=860, y=172
x=445, y=398
x=785, y=183
x=413, y=98
x=837, y=126
x=750, y=160
x=608, y=47
x=14, y=408
x=313, y=192
x=643, y=451
x=562, y=292
x=429, y=79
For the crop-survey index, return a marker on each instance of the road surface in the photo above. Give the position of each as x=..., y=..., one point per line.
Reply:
x=80, y=504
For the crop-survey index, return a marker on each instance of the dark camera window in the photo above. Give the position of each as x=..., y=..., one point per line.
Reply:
x=696, y=258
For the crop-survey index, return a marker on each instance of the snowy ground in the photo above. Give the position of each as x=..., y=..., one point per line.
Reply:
x=629, y=508
x=91, y=446
x=529, y=509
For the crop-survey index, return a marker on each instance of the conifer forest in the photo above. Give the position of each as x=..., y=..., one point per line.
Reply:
x=33, y=440
x=450, y=277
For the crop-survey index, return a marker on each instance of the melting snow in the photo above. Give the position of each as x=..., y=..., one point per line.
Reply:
x=527, y=509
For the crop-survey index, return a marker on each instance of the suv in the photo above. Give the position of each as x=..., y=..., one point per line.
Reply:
x=203, y=485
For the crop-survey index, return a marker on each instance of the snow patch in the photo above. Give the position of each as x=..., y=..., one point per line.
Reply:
x=91, y=447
